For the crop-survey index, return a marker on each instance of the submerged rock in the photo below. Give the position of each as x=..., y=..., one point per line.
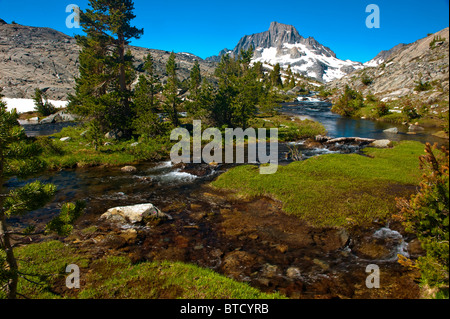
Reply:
x=415, y=128
x=133, y=214
x=441, y=134
x=294, y=273
x=129, y=169
x=393, y=130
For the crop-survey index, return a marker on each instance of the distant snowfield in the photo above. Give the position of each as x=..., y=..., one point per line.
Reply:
x=306, y=61
x=27, y=105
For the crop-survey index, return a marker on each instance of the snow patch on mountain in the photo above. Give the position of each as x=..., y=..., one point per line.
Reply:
x=304, y=60
x=27, y=105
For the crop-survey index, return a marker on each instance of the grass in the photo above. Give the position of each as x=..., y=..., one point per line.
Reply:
x=79, y=152
x=290, y=128
x=46, y=263
x=115, y=277
x=335, y=190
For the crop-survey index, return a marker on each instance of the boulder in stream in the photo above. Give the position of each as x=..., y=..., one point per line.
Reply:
x=392, y=130
x=128, y=169
x=134, y=214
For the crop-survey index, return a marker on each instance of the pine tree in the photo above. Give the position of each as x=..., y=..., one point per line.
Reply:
x=94, y=80
x=290, y=78
x=18, y=157
x=103, y=89
x=260, y=71
x=227, y=73
x=154, y=85
x=171, y=99
x=245, y=57
x=249, y=93
x=240, y=91
x=275, y=76
x=42, y=105
x=195, y=79
x=194, y=105
x=147, y=123
x=147, y=88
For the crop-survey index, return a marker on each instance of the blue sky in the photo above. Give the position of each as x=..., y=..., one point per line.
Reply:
x=206, y=27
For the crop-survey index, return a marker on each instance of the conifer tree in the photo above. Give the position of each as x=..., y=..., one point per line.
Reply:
x=240, y=90
x=147, y=123
x=171, y=99
x=18, y=157
x=275, y=76
x=292, y=83
x=195, y=79
x=291, y=78
x=42, y=105
x=194, y=105
x=227, y=73
x=103, y=89
x=147, y=88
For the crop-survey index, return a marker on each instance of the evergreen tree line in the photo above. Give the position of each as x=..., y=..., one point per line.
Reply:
x=104, y=93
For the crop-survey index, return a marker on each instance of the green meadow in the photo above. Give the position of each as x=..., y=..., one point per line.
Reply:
x=335, y=190
x=119, y=278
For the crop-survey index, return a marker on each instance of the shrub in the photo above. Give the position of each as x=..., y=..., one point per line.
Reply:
x=371, y=98
x=366, y=80
x=436, y=40
x=382, y=109
x=410, y=111
x=422, y=86
x=426, y=215
x=349, y=102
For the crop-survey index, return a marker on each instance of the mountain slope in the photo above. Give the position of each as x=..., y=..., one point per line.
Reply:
x=284, y=45
x=425, y=60
x=33, y=57
x=383, y=56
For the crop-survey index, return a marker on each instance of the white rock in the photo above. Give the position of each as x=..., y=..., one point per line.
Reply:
x=393, y=130
x=415, y=128
x=381, y=143
x=129, y=169
x=133, y=214
x=65, y=139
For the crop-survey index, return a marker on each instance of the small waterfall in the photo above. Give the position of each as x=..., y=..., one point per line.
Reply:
x=394, y=238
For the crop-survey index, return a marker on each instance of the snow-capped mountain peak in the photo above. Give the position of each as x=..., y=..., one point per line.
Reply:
x=283, y=44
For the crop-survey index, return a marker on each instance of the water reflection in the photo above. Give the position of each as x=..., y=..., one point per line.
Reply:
x=338, y=126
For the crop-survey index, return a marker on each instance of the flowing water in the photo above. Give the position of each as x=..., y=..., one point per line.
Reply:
x=273, y=251
x=33, y=130
x=338, y=126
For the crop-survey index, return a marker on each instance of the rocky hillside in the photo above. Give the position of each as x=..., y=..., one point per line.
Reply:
x=44, y=58
x=383, y=56
x=284, y=45
x=420, y=70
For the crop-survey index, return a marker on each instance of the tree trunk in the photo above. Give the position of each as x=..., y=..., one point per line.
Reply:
x=10, y=258
x=123, y=82
x=5, y=243
x=176, y=122
x=122, y=77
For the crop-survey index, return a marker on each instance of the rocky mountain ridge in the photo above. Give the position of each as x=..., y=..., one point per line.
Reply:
x=384, y=56
x=36, y=57
x=425, y=61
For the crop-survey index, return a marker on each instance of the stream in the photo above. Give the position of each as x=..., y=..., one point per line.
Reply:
x=248, y=240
